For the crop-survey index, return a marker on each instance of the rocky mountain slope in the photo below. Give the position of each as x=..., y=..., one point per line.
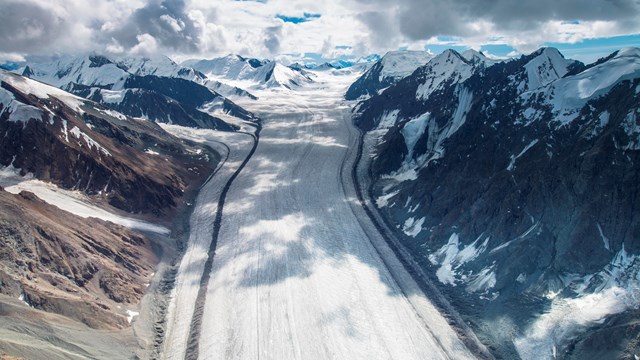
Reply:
x=80, y=145
x=515, y=184
x=85, y=269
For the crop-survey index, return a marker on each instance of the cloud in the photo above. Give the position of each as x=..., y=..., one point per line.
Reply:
x=166, y=21
x=147, y=45
x=518, y=22
x=272, y=39
x=26, y=27
x=202, y=28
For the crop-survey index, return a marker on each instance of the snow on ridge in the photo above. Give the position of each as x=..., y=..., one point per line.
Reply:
x=78, y=69
x=628, y=52
x=90, y=142
x=41, y=90
x=18, y=111
x=230, y=67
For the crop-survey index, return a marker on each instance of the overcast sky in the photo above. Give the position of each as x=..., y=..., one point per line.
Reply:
x=288, y=29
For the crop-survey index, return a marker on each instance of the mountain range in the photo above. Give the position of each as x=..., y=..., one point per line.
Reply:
x=514, y=184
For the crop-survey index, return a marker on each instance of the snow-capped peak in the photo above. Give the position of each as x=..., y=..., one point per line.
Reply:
x=547, y=66
x=91, y=69
x=628, y=52
x=447, y=66
x=569, y=94
x=399, y=64
x=274, y=74
x=478, y=58
x=230, y=67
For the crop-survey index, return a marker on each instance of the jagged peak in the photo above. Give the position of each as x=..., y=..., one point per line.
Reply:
x=546, y=65
x=470, y=54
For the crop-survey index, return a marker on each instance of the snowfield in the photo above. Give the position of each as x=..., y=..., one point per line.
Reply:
x=299, y=270
x=71, y=201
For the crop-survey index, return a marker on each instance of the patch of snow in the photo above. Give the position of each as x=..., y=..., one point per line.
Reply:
x=605, y=240
x=383, y=200
x=74, y=202
x=632, y=128
x=413, y=130
x=90, y=142
x=22, y=298
x=483, y=281
x=522, y=277
x=65, y=130
x=520, y=237
x=451, y=258
x=388, y=119
x=131, y=314
x=149, y=151
x=113, y=113
x=604, y=119
x=514, y=158
x=112, y=96
x=413, y=227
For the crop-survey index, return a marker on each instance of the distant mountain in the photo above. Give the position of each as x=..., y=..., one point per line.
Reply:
x=252, y=72
x=233, y=67
x=514, y=184
x=391, y=68
x=155, y=89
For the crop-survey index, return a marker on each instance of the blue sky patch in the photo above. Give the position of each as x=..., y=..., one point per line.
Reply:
x=297, y=20
x=591, y=50
x=500, y=50
x=438, y=48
